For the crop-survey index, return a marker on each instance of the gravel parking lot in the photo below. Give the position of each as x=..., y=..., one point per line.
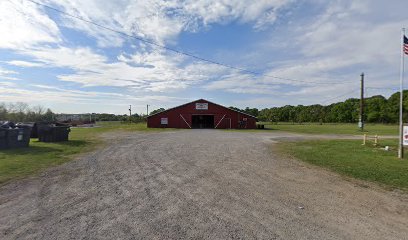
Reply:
x=200, y=184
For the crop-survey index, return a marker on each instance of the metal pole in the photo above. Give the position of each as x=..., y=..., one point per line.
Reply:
x=130, y=113
x=147, y=110
x=362, y=103
x=401, y=128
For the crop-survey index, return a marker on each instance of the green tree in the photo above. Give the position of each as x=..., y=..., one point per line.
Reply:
x=157, y=111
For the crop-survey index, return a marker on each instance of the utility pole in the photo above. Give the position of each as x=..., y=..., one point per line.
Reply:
x=130, y=113
x=147, y=110
x=361, y=122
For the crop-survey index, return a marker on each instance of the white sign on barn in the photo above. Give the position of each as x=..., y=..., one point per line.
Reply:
x=405, y=136
x=202, y=106
x=164, y=121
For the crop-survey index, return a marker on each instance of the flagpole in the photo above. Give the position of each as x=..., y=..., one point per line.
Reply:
x=401, y=146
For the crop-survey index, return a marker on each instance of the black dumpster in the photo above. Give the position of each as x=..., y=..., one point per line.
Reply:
x=14, y=137
x=34, y=131
x=3, y=138
x=23, y=137
x=52, y=133
x=33, y=127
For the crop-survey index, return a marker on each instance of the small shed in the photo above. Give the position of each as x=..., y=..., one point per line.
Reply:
x=201, y=114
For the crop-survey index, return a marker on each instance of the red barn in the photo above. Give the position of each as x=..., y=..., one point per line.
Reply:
x=201, y=114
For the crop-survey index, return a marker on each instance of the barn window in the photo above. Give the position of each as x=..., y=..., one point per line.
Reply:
x=164, y=121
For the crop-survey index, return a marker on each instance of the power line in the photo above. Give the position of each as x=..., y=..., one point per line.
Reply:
x=344, y=94
x=380, y=88
x=179, y=51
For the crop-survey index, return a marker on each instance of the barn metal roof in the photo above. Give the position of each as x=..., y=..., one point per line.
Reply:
x=201, y=99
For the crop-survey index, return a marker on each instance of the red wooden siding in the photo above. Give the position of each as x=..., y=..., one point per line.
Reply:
x=222, y=116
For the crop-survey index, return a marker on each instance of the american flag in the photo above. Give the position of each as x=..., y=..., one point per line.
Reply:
x=405, y=45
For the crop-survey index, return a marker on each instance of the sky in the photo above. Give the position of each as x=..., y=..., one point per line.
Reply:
x=272, y=52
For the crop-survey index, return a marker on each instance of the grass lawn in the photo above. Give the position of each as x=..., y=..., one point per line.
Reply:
x=350, y=158
x=18, y=163
x=330, y=128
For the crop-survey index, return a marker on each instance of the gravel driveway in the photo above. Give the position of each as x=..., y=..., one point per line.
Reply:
x=197, y=184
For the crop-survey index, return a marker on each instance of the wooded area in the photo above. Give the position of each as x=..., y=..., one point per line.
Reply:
x=378, y=109
x=22, y=112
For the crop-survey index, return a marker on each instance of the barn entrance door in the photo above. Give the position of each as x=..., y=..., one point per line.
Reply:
x=202, y=121
x=227, y=122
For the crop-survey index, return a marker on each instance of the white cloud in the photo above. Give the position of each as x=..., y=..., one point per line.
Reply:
x=154, y=71
x=8, y=84
x=23, y=24
x=346, y=39
x=342, y=32
x=243, y=83
x=163, y=21
x=261, y=12
x=6, y=74
x=266, y=20
x=68, y=100
x=160, y=21
x=74, y=58
x=25, y=63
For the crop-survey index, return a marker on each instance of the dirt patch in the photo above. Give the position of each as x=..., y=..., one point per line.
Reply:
x=196, y=184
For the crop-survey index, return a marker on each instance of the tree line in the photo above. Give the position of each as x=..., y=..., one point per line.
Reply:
x=22, y=112
x=377, y=109
x=117, y=117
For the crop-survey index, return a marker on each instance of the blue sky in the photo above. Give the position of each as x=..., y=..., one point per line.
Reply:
x=71, y=66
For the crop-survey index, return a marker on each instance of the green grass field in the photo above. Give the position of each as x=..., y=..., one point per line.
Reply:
x=18, y=163
x=350, y=158
x=329, y=128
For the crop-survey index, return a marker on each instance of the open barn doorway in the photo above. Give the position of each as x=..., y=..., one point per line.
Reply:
x=203, y=121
